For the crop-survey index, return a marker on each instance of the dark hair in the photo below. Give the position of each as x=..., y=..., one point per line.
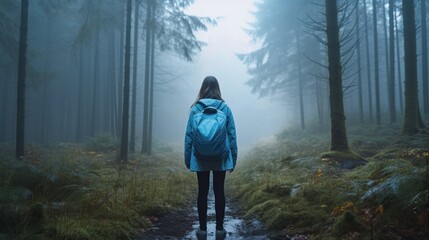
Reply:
x=209, y=89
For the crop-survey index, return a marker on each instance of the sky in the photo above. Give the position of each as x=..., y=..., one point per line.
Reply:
x=255, y=118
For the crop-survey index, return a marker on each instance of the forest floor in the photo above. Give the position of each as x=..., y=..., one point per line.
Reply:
x=183, y=224
x=281, y=189
x=284, y=189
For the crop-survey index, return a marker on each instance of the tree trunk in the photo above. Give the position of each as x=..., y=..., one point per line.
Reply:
x=119, y=77
x=391, y=80
x=300, y=81
x=376, y=65
x=368, y=63
x=425, y=77
x=123, y=155
x=338, y=127
x=152, y=77
x=147, y=80
x=361, y=115
x=22, y=64
x=80, y=106
x=95, y=87
x=410, y=126
x=134, y=94
x=398, y=58
x=113, y=83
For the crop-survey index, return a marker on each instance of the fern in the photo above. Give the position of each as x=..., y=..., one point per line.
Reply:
x=397, y=188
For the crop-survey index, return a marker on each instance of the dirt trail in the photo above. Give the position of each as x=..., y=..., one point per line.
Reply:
x=183, y=225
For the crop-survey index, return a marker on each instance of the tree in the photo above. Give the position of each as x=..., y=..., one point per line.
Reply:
x=398, y=60
x=368, y=63
x=168, y=27
x=391, y=80
x=123, y=154
x=376, y=65
x=339, y=140
x=425, y=77
x=277, y=66
x=148, y=27
x=300, y=81
x=410, y=126
x=340, y=151
x=95, y=88
x=22, y=63
x=358, y=38
x=134, y=94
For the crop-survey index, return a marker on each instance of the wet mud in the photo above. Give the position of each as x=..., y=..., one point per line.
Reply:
x=183, y=224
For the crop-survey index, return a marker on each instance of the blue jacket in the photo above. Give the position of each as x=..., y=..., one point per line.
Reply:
x=224, y=165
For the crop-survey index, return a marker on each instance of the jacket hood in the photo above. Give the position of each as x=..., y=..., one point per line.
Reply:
x=210, y=102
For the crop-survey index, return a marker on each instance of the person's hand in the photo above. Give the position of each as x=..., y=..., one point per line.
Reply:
x=232, y=170
x=187, y=166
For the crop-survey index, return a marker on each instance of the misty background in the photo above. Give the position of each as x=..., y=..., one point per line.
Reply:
x=68, y=55
x=269, y=57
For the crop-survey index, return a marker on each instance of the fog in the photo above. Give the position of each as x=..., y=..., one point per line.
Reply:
x=255, y=118
x=87, y=58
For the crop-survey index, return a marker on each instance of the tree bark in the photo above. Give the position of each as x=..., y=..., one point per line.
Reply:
x=95, y=87
x=410, y=126
x=113, y=83
x=300, y=80
x=398, y=59
x=360, y=97
x=134, y=94
x=123, y=155
x=119, y=88
x=368, y=63
x=376, y=65
x=80, y=100
x=391, y=80
x=425, y=77
x=145, y=139
x=22, y=64
x=152, y=77
x=339, y=140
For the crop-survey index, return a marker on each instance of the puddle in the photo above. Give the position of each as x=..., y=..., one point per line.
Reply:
x=235, y=227
x=184, y=226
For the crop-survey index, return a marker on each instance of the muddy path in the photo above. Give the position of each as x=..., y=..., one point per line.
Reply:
x=183, y=224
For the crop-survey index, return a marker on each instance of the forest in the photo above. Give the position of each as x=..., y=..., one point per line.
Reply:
x=330, y=100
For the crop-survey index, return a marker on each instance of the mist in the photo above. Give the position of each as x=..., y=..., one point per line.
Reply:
x=330, y=101
x=62, y=45
x=218, y=58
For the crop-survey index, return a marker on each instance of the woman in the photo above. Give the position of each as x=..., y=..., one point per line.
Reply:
x=210, y=96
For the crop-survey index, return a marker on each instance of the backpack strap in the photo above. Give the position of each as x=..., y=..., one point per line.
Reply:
x=200, y=106
x=220, y=107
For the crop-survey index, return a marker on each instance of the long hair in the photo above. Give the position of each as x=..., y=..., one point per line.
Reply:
x=209, y=89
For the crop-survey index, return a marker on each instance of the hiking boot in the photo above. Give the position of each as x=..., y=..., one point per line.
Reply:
x=221, y=233
x=201, y=233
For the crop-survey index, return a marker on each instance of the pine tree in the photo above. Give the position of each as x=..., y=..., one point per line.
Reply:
x=22, y=64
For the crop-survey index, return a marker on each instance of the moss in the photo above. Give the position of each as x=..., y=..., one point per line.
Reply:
x=86, y=195
x=262, y=208
x=102, y=142
x=65, y=228
x=347, y=223
x=343, y=159
x=11, y=194
x=317, y=194
x=279, y=190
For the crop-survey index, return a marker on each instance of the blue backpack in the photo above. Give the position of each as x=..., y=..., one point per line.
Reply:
x=210, y=133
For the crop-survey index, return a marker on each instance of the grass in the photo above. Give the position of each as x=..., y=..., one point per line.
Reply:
x=81, y=192
x=293, y=191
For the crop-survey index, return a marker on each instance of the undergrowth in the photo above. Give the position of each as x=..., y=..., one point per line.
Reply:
x=288, y=186
x=81, y=192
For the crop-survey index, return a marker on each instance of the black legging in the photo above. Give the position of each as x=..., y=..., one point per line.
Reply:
x=203, y=190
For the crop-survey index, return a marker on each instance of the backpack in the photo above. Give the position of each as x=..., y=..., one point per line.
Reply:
x=210, y=133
